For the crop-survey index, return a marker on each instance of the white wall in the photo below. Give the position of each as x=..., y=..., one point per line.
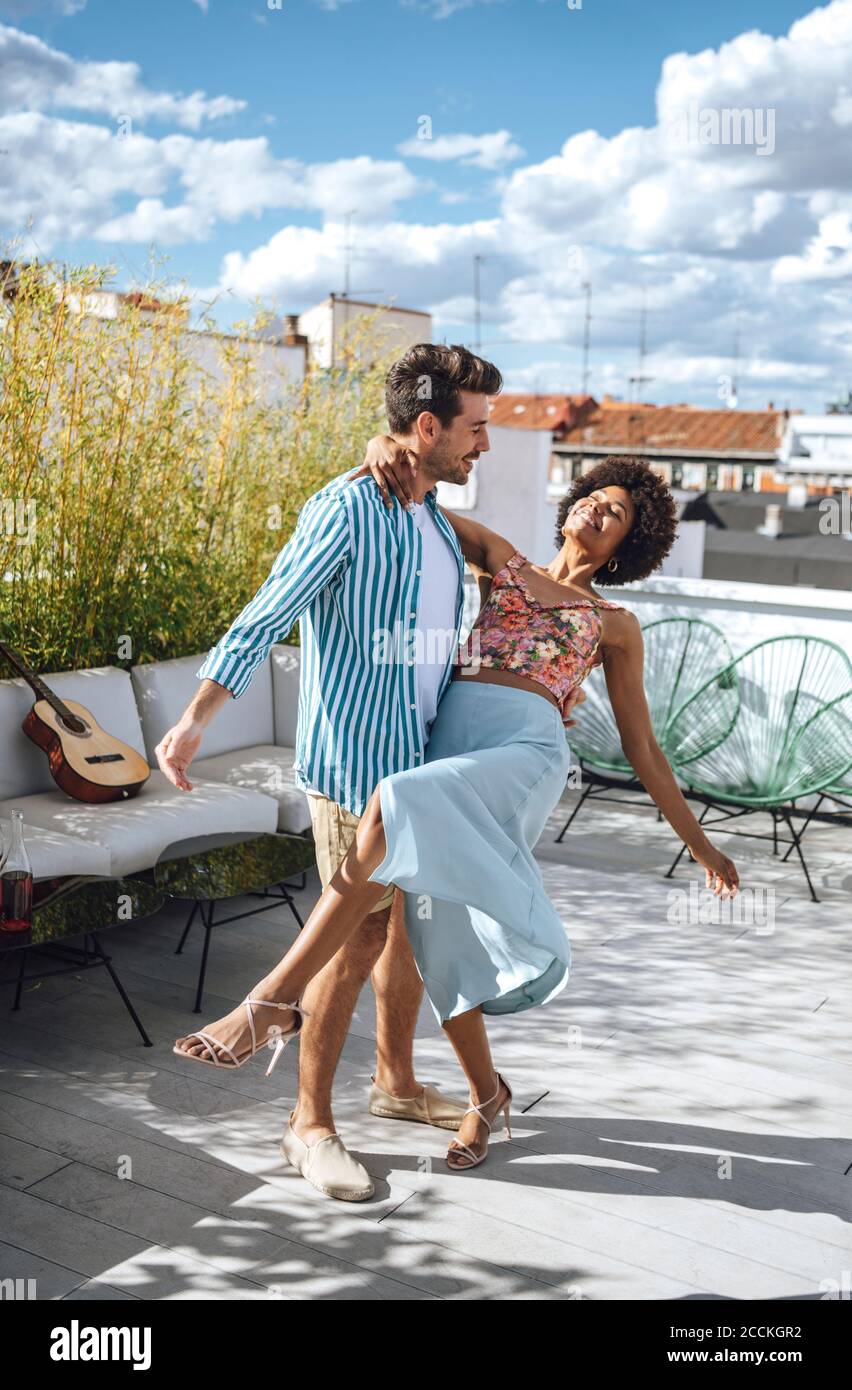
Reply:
x=511, y=491
x=746, y=613
x=394, y=330
x=685, y=560
x=278, y=367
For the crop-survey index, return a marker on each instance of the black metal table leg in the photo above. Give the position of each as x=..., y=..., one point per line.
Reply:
x=291, y=902
x=105, y=960
x=189, y=921
x=20, y=985
x=207, y=919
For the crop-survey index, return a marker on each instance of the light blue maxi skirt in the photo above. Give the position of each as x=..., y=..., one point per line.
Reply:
x=460, y=832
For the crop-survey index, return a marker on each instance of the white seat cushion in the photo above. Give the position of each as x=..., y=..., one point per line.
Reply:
x=163, y=690
x=53, y=855
x=134, y=833
x=266, y=768
x=105, y=690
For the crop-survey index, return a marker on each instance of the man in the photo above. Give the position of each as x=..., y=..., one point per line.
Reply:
x=376, y=589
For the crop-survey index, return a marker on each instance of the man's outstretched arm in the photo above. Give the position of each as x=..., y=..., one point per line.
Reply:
x=319, y=547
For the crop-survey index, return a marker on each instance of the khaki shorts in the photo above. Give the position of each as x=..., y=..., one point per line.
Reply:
x=334, y=831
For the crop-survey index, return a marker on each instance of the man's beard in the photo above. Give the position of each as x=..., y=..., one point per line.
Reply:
x=457, y=474
x=452, y=470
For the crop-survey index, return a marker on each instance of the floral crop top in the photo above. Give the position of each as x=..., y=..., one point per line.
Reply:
x=554, y=644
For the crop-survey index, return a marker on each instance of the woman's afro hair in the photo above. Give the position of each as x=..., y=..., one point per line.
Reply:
x=652, y=534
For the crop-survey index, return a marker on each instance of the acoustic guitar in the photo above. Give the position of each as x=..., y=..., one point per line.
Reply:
x=84, y=760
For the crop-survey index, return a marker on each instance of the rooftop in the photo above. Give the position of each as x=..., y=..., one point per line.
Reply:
x=519, y=410
x=670, y=1046
x=677, y=429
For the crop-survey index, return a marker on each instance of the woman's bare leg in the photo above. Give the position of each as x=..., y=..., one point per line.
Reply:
x=467, y=1034
x=342, y=907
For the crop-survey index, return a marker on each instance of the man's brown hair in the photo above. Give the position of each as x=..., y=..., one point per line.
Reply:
x=430, y=377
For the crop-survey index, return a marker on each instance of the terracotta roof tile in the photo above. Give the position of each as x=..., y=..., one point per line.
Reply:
x=522, y=411
x=620, y=425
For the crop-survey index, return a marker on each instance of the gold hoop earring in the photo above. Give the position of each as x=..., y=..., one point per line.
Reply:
x=613, y=565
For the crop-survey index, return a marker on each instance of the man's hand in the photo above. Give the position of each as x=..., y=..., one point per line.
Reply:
x=392, y=467
x=176, y=751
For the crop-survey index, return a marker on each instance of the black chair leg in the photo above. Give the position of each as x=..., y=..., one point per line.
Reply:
x=797, y=846
x=207, y=919
x=567, y=824
x=98, y=950
x=811, y=813
x=189, y=921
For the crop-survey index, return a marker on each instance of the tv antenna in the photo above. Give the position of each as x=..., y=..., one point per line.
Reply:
x=477, y=304
x=587, y=334
x=639, y=379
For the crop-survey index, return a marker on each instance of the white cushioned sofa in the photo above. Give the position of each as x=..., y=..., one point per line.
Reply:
x=242, y=779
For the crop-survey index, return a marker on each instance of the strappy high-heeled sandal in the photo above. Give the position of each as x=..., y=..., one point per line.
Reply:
x=457, y=1147
x=277, y=1041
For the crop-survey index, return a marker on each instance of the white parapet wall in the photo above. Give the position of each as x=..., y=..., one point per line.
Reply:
x=747, y=613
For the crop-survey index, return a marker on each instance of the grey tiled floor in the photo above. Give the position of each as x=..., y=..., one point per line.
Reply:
x=683, y=1123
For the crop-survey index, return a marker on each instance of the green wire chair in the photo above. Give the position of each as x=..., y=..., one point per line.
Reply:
x=770, y=727
x=681, y=654
x=840, y=794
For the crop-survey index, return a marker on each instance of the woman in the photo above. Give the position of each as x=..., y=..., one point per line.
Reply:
x=457, y=833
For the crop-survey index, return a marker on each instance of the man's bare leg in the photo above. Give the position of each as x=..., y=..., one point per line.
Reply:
x=398, y=989
x=330, y=999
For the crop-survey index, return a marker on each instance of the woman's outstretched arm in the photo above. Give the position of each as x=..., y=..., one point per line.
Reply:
x=390, y=465
x=485, y=551
x=623, y=663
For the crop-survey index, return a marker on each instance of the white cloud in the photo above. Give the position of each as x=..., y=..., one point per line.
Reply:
x=68, y=176
x=35, y=77
x=300, y=263
x=827, y=256
x=710, y=236
x=485, y=151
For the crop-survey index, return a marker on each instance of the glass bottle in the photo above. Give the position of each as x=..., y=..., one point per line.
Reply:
x=16, y=881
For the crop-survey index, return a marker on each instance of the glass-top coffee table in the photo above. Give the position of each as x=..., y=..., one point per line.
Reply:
x=235, y=866
x=79, y=907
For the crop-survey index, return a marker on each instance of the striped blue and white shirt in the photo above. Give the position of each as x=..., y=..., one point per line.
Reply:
x=351, y=572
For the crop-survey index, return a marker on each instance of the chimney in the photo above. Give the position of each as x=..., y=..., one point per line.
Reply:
x=774, y=523
x=291, y=337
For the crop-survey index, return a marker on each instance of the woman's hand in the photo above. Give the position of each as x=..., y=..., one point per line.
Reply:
x=391, y=465
x=721, y=873
x=574, y=697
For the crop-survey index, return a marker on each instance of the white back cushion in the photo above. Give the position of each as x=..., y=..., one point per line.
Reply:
x=164, y=689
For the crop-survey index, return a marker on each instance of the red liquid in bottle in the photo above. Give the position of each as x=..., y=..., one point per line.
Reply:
x=16, y=901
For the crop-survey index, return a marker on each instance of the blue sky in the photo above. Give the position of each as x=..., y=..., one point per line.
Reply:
x=550, y=154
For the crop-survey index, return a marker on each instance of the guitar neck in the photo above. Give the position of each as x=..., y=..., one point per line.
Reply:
x=36, y=683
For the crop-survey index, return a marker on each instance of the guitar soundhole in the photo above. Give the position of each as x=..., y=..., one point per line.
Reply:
x=73, y=725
